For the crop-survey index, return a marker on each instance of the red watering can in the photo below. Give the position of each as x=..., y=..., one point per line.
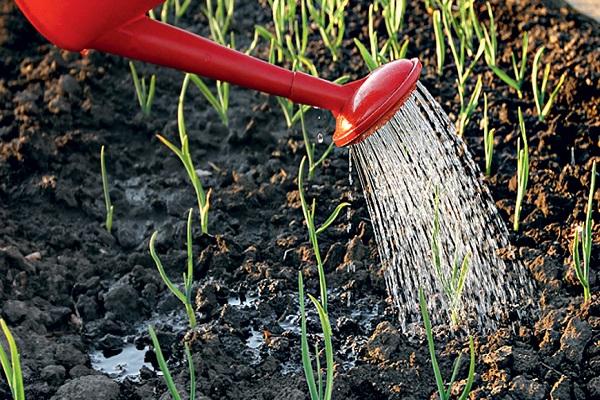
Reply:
x=121, y=27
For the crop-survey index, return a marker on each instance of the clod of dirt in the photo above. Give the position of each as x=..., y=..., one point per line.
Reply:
x=384, y=342
x=528, y=389
x=91, y=387
x=574, y=340
x=593, y=387
x=54, y=375
x=561, y=389
x=122, y=300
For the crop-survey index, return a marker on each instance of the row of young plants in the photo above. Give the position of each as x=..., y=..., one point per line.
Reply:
x=456, y=24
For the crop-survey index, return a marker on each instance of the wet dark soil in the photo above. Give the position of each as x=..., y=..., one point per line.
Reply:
x=69, y=289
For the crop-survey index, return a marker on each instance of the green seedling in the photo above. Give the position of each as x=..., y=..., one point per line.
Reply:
x=582, y=243
x=459, y=16
x=310, y=149
x=488, y=137
x=11, y=366
x=109, y=207
x=444, y=390
x=467, y=107
x=290, y=38
x=145, y=94
x=391, y=50
x=173, y=391
x=314, y=232
x=184, y=296
x=183, y=153
x=522, y=171
x=219, y=101
x=393, y=15
x=488, y=37
x=454, y=283
x=466, y=111
x=539, y=94
x=176, y=8
x=315, y=388
x=288, y=44
x=440, y=43
x=284, y=18
x=219, y=19
x=328, y=16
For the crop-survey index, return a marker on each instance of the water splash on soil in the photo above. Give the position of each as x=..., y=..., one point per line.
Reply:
x=399, y=167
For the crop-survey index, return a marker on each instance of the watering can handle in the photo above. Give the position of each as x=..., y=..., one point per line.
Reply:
x=155, y=42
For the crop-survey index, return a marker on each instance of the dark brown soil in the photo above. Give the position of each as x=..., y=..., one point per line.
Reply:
x=68, y=288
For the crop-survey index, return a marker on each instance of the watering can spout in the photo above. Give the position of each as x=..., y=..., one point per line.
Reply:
x=122, y=28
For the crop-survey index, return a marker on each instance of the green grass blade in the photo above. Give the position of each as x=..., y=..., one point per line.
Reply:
x=332, y=217
x=163, y=365
x=431, y=344
x=471, y=376
x=192, y=371
x=326, y=326
x=178, y=293
x=306, y=362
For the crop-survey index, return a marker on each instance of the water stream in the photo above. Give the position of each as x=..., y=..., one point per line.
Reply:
x=400, y=167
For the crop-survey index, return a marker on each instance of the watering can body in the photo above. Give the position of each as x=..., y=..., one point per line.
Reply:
x=122, y=27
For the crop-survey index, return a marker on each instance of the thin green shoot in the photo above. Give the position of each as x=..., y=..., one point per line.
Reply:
x=288, y=44
x=219, y=19
x=444, y=390
x=109, y=207
x=539, y=93
x=488, y=37
x=314, y=232
x=522, y=171
x=144, y=93
x=464, y=116
x=464, y=70
x=392, y=49
x=184, y=155
x=316, y=389
x=218, y=101
x=219, y=22
x=310, y=149
x=453, y=284
x=12, y=365
x=162, y=363
x=459, y=16
x=328, y=15
x=184, y=296
x=177, y=8
x=582, y=242
x=440, y=43
x=488, y=137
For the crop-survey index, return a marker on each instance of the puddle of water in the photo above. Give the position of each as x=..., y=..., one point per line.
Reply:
x=255, y=340
x=237, y=301
x=125, y=364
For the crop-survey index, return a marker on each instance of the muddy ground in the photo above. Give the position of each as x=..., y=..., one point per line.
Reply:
x=68, y=289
